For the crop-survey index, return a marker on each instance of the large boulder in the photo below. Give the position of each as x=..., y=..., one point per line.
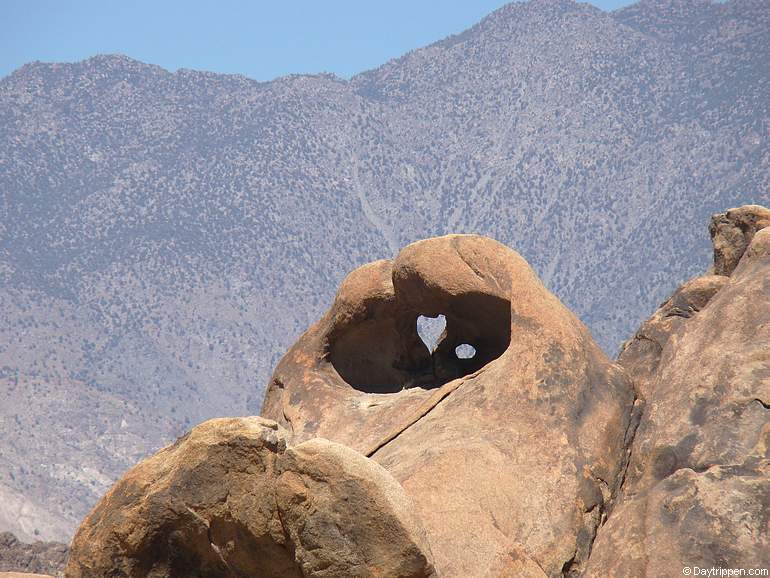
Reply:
x=511, y=447
x=511, y=456
x=697, y=493
x=346, y=516
x=230, y=499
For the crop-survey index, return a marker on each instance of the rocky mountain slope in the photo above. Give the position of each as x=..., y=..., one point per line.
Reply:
x=536, y=457
x=165, y=236
x=38, y=557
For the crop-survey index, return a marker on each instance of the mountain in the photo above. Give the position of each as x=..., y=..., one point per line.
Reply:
x=39, y=557
x=165, y=236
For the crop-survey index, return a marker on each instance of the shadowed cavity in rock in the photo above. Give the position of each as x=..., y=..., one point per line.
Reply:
x=383, y=353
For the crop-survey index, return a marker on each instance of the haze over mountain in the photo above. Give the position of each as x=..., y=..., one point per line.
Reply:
x=165, y=236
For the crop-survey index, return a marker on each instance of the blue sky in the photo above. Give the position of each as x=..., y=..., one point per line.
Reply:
x=260, y=39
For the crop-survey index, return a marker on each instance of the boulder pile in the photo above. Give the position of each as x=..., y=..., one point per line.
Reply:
x=511, y=447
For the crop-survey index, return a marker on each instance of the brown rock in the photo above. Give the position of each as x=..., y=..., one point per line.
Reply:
x=522, y=444
x=697, y=491
x=759, y=246
x=732, y=231
x=204, y=504
x=640, y=355
x=514, y=563
x=346, y=516
x=714, y=518
x=225, y=501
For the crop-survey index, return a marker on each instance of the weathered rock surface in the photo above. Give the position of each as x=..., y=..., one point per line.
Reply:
x=534, y=457
x=697, y=491
x=760, y=245
x=510, y=457
x=346, y=516
x=230, y=500
x=37, y=557
x=640, y=355
x=732, y=232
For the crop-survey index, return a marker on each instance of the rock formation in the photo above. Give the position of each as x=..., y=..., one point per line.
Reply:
x=732, y=233
x=698, y=486
x=641, y=354
x=533, y=457
x=158, y=228
x=513, y=453
x=230, y=500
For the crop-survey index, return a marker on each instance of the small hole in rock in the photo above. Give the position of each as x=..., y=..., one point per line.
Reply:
x=430, y=329
x=465, y=351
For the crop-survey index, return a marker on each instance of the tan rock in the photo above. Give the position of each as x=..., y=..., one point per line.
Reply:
x=346, y=516
x=23, y=575
x=759, y=246
x=714, y=518
x=732, y=231
x=697, y=492
x=514, y=563
x=522, y=444
x=204, y=504
x=225, y=501
x=640, y=355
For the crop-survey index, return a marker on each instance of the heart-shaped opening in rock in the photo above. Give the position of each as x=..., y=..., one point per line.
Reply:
x=395, y=347
x=430, y=330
